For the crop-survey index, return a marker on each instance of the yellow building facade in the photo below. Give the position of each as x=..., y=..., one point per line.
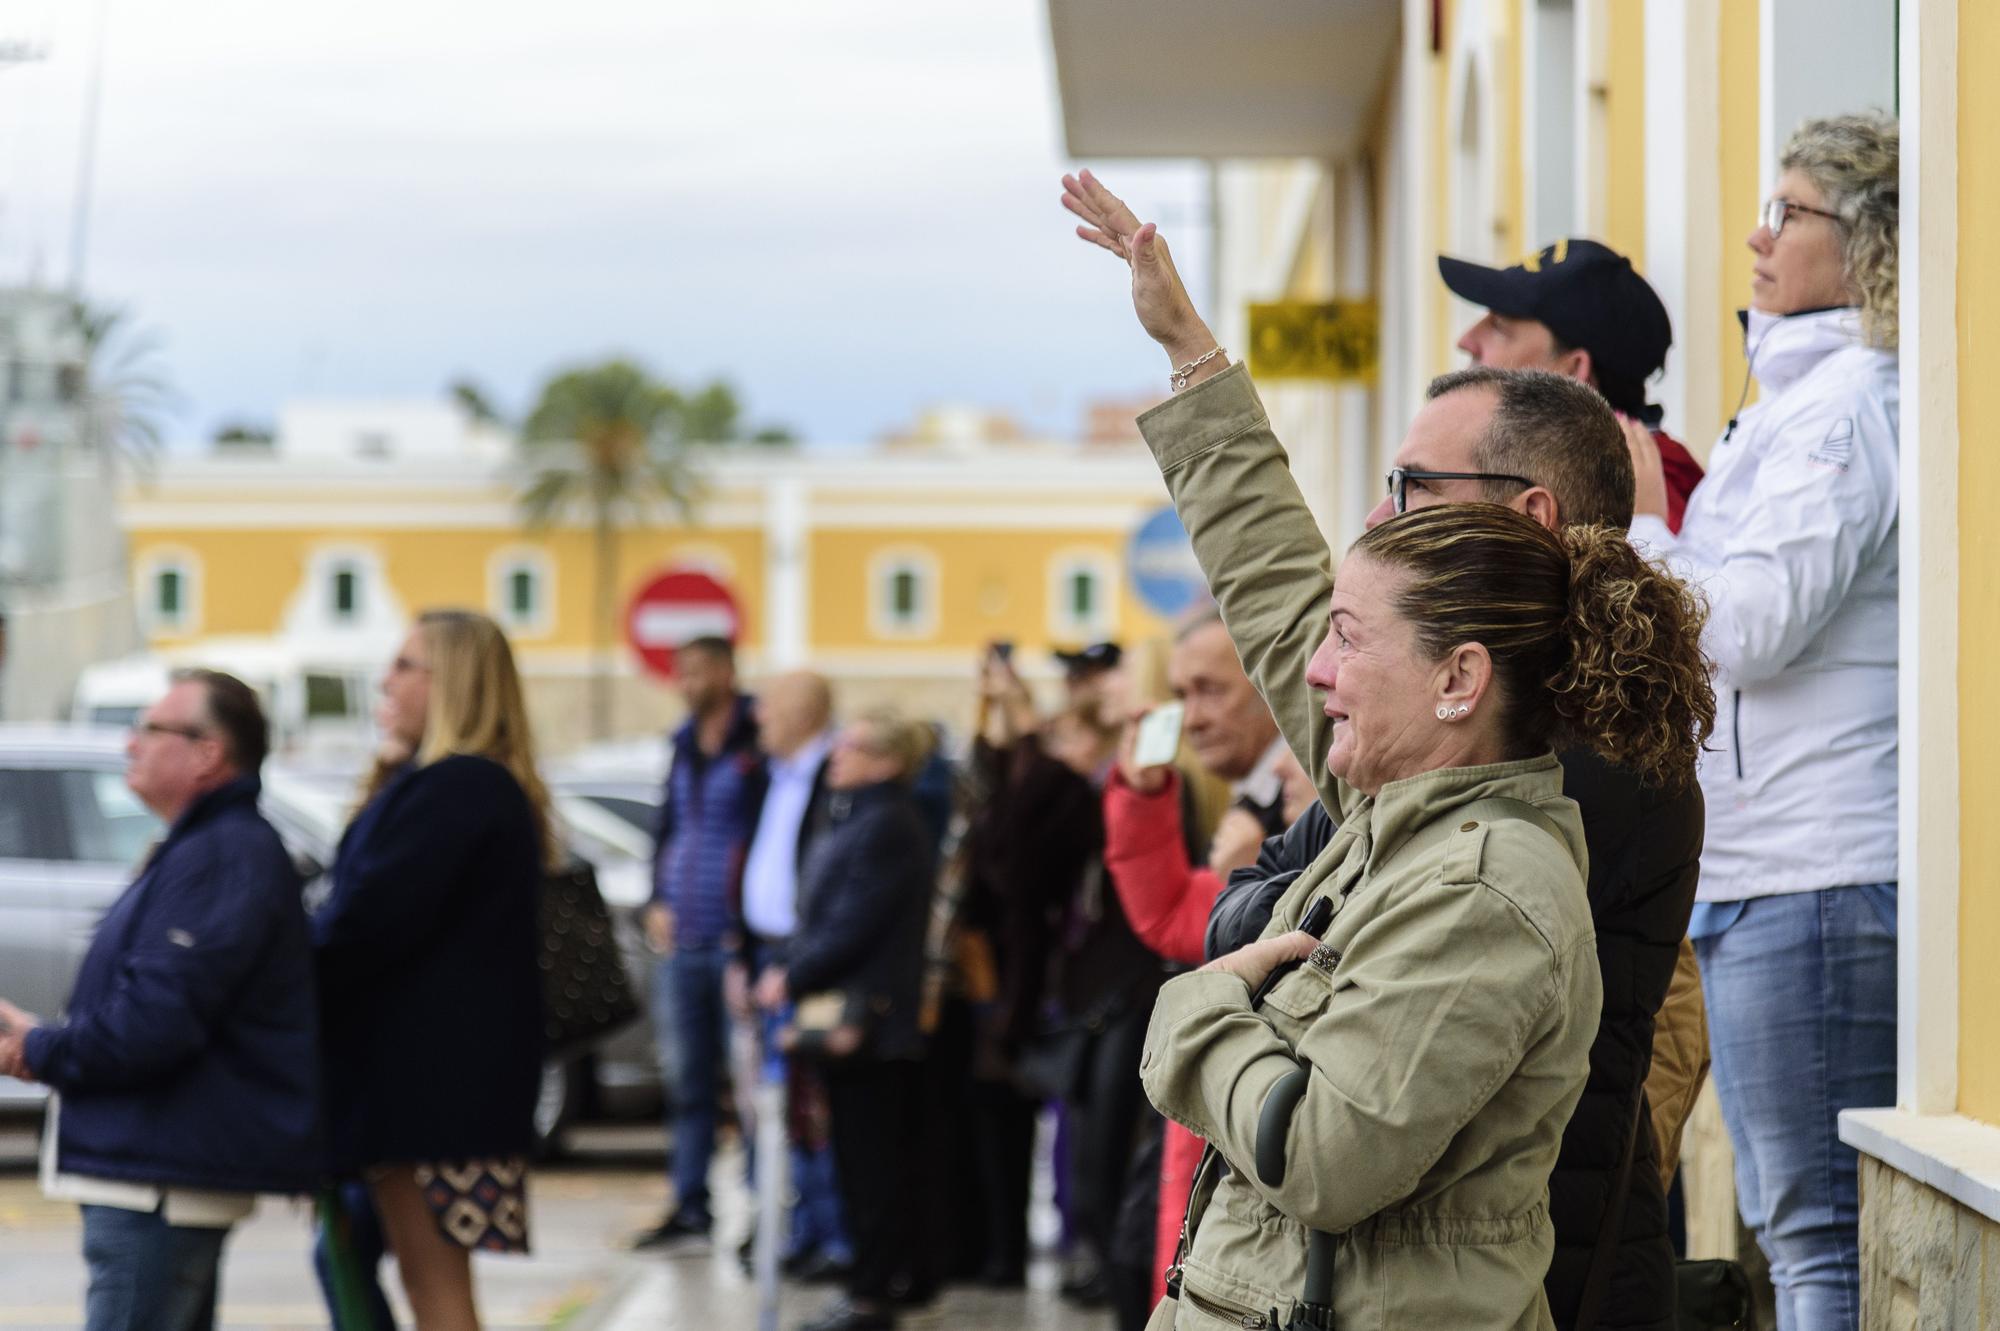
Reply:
x=888, y=571
x=1351, y=144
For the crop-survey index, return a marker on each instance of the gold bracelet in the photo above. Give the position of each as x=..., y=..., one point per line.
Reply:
x=1180, y=376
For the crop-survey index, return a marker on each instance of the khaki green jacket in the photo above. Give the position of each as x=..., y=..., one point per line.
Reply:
x=1448, y=1020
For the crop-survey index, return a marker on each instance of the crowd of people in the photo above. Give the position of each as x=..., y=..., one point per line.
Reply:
x=1376, y=992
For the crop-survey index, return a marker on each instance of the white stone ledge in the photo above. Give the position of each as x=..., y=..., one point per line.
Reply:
x=1957, y=1156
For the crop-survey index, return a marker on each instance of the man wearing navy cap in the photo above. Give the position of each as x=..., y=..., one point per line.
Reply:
x=1088, y=678
x=1579, y=309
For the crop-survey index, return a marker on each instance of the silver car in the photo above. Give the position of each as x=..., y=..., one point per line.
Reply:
x=71, y=834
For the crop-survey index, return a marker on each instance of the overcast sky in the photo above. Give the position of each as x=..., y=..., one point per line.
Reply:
x=849, y=209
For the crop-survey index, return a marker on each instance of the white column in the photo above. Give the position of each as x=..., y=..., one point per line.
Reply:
x=1683, y=192
x=787, y=574
x=1354, y=404
x=1927, y=767
x=1821, y=58
x=1410, y=221
x=1548, y=119
x=1591, y=29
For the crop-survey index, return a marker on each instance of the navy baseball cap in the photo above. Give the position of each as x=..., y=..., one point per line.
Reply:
x=1587, y=294
x=1097, y=656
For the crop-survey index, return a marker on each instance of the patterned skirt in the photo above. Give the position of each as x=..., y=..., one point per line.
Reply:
x=479, y=1204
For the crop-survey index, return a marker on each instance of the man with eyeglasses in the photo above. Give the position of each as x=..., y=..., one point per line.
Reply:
x=1578, y=308
x=185, y=1070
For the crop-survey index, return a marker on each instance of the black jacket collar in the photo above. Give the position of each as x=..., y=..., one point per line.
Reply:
x=243, y=790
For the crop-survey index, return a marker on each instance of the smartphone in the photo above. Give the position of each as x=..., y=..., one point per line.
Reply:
x=1159, y=735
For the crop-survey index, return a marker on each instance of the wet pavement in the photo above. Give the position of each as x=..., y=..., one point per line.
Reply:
x=580, y=1277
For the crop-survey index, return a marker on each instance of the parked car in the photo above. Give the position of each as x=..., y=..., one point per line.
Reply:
x=71, y=834
x=624, y=777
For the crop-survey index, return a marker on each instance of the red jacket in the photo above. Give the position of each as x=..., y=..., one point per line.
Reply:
x=1166, y=898
x=1683, y=473
x=1167, y=901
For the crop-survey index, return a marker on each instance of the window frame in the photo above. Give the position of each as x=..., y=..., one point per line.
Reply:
x=152, y=564
x=884, y=566
x=1064, y=567
x=501, y=569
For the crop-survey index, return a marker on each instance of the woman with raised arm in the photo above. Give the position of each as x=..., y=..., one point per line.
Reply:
x=1446, y=1015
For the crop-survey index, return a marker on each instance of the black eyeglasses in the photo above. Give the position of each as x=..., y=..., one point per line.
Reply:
x=1777, y=210
x=1400, y=478
x=162, y=728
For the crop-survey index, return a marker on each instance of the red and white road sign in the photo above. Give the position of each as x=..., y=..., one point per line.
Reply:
x=672, y=610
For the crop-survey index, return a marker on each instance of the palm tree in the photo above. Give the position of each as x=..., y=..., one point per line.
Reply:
x=609, y=436
x=124, y=394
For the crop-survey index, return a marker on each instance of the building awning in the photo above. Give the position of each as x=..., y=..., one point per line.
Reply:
x=1209, y=78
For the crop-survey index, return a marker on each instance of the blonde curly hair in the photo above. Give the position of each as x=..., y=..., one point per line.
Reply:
x=1592, y=646
x=1853, y=160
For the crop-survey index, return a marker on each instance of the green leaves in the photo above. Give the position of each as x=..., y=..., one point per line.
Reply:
x=124, y=394
x=613, y=437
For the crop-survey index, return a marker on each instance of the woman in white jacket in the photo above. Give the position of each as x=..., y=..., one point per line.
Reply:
x=1792, y=536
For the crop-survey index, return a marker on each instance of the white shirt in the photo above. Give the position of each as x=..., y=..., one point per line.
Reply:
x=1263, y=786
x=190, y=1208
x=771, y=874
x=1792, y=537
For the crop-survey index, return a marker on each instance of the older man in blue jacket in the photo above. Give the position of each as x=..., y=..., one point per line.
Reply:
x=185, y=1071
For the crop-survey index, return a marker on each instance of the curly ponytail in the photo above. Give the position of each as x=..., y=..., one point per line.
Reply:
x=1592, y=646
x=1635, y=687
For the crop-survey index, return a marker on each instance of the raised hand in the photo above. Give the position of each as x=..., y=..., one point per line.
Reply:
x=1145, y=780
x=1648, y=472
x=1159, y=297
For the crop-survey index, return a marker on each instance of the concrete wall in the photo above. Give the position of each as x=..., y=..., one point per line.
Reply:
x=1927, y=1263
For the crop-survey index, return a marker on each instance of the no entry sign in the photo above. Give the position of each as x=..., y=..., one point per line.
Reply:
x=673, y=609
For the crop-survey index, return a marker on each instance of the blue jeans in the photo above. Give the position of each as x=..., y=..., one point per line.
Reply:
x=148, y=1275
x=1801, y=994
x=688, y=984
x=818, y=1222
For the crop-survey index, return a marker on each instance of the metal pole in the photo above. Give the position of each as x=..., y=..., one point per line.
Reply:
x=86, y=162
x=773, y=1183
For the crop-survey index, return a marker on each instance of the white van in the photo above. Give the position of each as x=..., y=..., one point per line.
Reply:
x=319, y=708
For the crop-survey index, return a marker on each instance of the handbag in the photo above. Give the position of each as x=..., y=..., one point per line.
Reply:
x=830, y=1025
x=1714, y=1295
x=585, y=989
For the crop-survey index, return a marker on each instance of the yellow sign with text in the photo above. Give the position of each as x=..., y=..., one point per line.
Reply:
x=1335, y=341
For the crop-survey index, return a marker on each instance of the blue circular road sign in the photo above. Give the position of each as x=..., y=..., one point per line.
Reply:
x=1161, y=562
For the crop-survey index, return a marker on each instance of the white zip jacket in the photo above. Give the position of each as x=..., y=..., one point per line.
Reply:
x=1792, y=537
